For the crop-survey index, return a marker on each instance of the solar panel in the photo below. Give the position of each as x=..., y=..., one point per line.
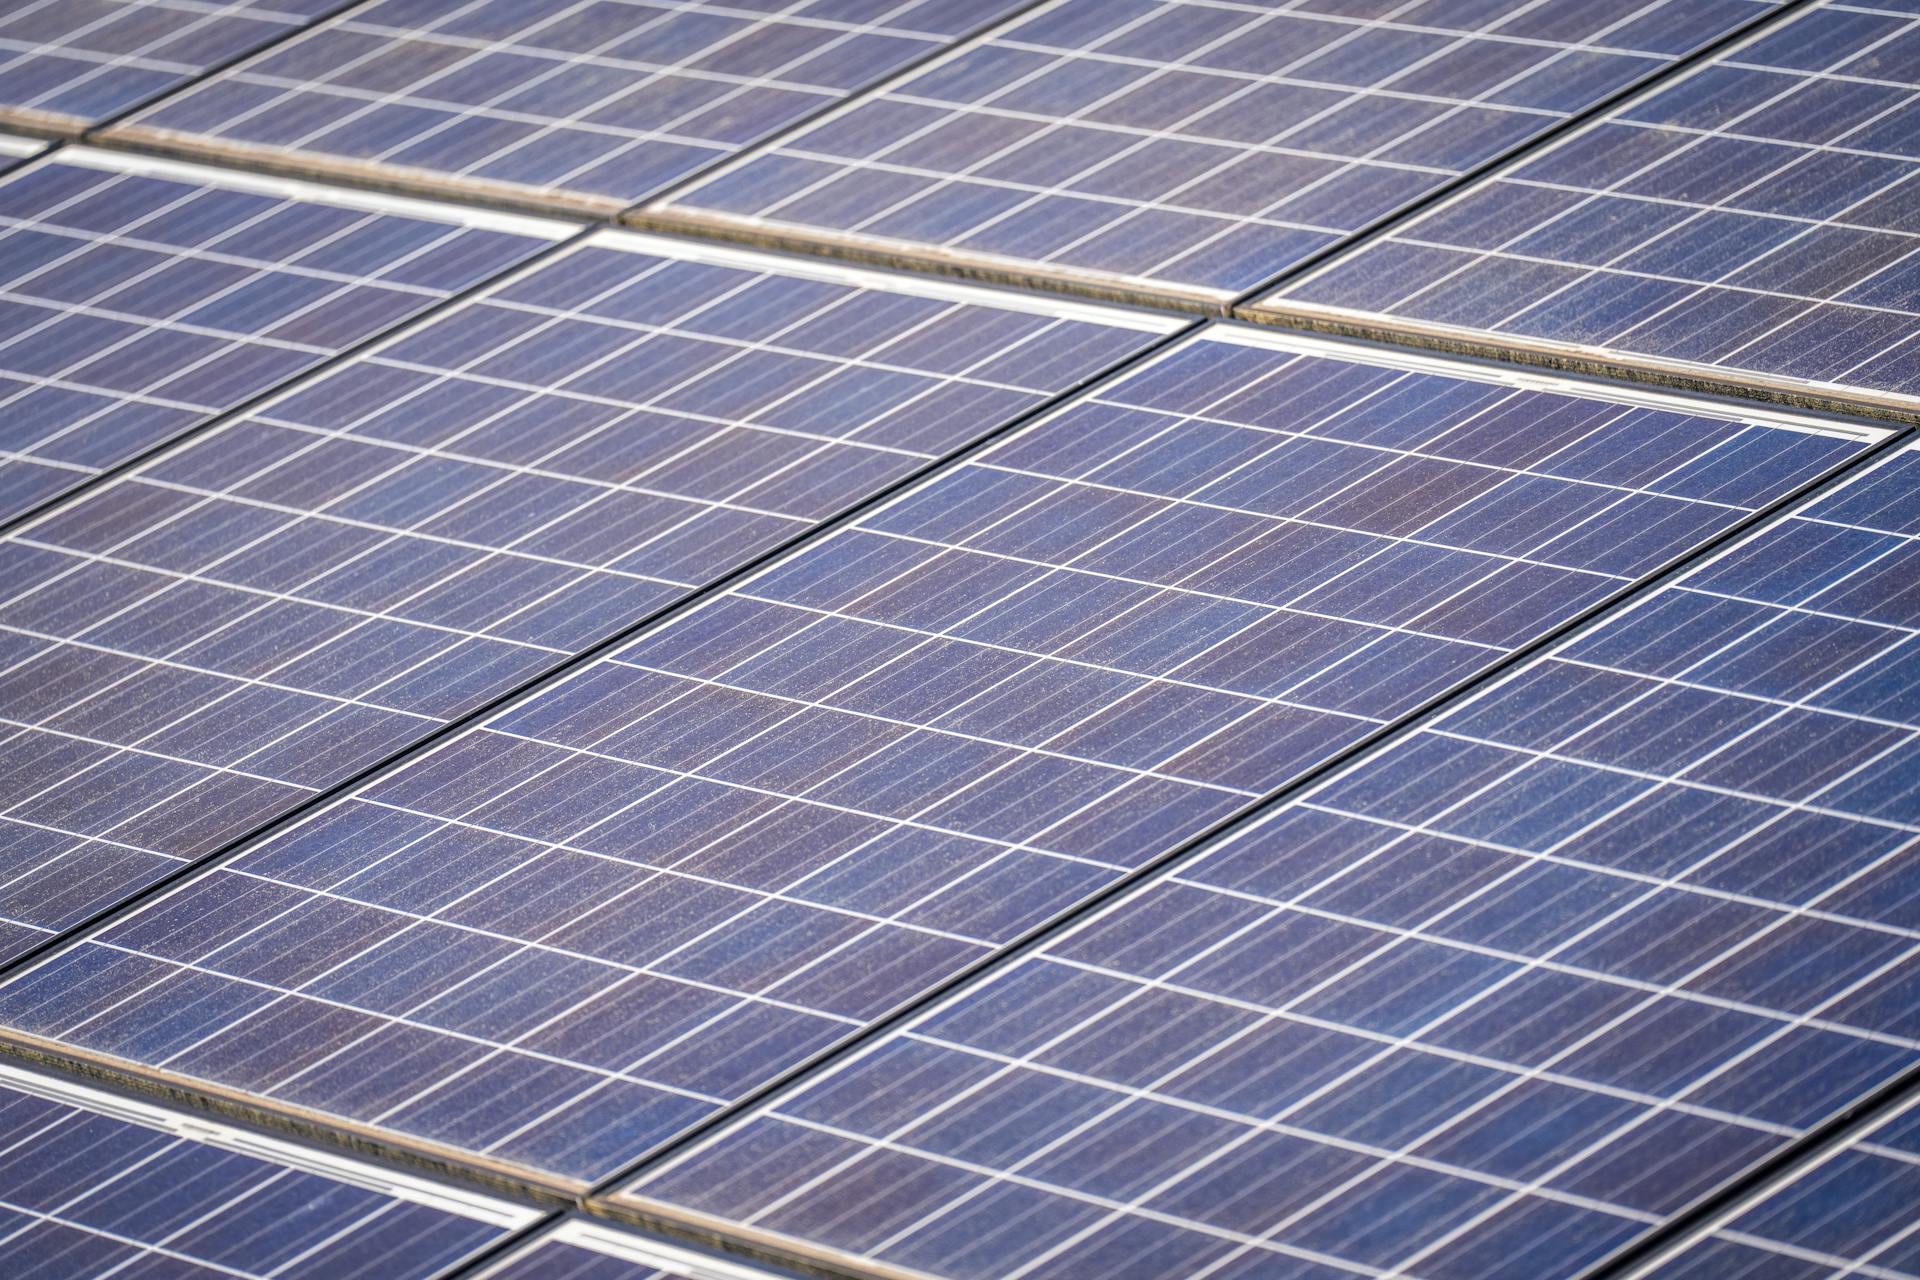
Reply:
x=199, y=645
x=560, y=938
x=1851, y=1212
x=1754, y=219
x=582, y=1249
x=592, y=104
x=1192, y=148
x=781, y=769
x=1512, y=991
x=97, y=1185
x=66, y=64
x=140, y=298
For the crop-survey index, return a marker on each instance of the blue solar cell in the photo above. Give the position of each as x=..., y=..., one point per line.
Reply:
x=1759, y=217
x=1490, y=1004
x=202, y=643
x=595, y=104
x=95, y=1185
x=1193, y=147
x=139, y=299
x=1853, y=1212
x=562, y=937
x=582, y=1249
x=72, y=63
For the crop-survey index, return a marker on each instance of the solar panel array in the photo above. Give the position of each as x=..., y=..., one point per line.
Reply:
x=1755, y=217
x=701, y=763
x=1194, y=147
x=68, y=64
x=213, y=637
x=1853, y=1213
x=1491, y=1004
x=598, y=104
x=96, y=1185
x=138, y=299
x=561, y=938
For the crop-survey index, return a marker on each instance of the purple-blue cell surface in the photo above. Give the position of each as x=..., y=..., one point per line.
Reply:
x=1758, y=217
x=1493, y=1003
x=204, y=642
x=564, y=936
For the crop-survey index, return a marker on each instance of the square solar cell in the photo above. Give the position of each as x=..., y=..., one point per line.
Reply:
x=94, y=1185
x=1193, y=148
x=140, y=298
x=1758, y=220
x=591, y=103
x=1490, y=1004
x=582, y=1249
x=205, y=641
x=1855, y=1211
x=68, y=64
x=561, y=937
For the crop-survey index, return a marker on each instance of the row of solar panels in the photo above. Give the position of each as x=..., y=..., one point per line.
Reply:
x=699, y=845
x=1753, y=219
x=94, y=1183
x=732, y=836
x=99, y=1184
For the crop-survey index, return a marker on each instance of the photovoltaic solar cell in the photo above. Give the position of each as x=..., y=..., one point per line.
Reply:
x=1855, y=1212
x=95, y=1185
x=1194, y=147
x=197, y=646
x=140, y=298
x=560, y=938
x=1491, y=1004
x=1759, y=217
x=66, y=64
x=581, y=1249
x=596, y=102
